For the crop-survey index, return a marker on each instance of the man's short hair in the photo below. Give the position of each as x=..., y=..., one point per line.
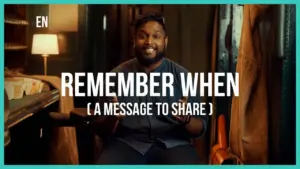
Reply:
x=150, y=17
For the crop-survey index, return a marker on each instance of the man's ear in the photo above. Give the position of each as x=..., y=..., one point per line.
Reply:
x=166, y=42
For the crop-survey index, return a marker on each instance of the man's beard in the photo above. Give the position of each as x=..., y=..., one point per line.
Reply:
x=149, y=61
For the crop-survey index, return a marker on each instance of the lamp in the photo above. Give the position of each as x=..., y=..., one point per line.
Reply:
x=45, y=45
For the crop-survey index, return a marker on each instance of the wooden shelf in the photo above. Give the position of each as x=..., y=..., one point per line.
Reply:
x=14, y=47
x=16, y=22
x=16, y=40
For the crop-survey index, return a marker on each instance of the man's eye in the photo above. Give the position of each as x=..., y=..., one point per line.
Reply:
x=142, y=36
x=156, y=36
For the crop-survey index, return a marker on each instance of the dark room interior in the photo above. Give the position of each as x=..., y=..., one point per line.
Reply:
x=202, y=38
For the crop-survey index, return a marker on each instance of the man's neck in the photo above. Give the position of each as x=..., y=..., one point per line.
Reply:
x=152, y=67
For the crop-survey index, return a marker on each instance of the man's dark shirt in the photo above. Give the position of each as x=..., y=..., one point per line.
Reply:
x=141, y=132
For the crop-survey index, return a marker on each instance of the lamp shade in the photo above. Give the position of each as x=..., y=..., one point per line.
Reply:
x=45, y=44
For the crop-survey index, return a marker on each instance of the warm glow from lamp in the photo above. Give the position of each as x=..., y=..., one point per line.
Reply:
x=45, y=45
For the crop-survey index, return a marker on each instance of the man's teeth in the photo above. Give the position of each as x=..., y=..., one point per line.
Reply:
x=149, y=50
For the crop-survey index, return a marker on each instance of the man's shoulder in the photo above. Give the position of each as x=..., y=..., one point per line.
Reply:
x=126, y=66
x=175, y=67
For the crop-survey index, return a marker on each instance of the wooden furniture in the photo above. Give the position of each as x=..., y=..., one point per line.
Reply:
x=28, y=136
x=21, y=109
x=16, y=36
x=95, y=131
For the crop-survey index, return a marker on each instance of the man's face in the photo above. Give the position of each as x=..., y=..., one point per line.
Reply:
x=150, y=43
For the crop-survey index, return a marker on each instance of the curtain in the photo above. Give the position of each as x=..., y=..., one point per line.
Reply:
x=249, y=112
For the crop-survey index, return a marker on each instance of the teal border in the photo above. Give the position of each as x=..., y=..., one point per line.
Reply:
x=138, y=2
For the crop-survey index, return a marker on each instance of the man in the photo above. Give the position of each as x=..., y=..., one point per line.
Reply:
x=153, y=139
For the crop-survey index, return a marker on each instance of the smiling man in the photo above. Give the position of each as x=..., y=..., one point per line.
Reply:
x=154, y=139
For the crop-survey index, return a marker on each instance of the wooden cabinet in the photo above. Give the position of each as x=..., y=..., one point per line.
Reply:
x=16, y=36
x=29, y=129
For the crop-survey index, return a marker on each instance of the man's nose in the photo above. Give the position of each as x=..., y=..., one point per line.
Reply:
x=149, y=41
